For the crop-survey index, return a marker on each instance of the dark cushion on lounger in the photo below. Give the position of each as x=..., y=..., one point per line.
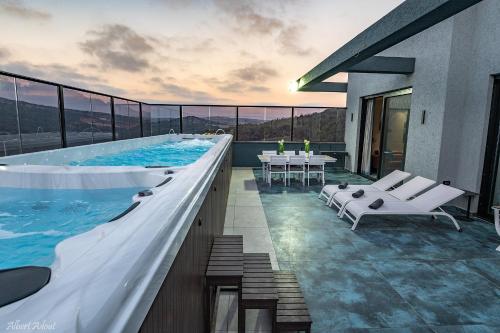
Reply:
x=18, y=283
x=358, y=194
x=343, y=186
x=376, y=204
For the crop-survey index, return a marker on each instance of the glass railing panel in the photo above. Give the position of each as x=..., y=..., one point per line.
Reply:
x=165, y=119
x=278, y=124
x=195, y=119
x=249, y=121
x=77, y=117
x=173, y=114
x=319, y=124
x=121, y=119
x=146, y=119
x=134, y=116
x=102, y=126
x=10, y=140
x=223, y=117
x=39, y=117
x=264, y=123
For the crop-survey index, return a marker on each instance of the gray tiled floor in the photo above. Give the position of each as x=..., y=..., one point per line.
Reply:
x=245, y=215
x=393, y=274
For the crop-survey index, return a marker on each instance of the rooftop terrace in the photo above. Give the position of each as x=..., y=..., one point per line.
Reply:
x=393, y=274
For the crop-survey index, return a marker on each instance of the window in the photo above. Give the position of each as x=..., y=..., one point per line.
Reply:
x=319, y=124
x=264, y=124
x=39, y=117
x=10, y=140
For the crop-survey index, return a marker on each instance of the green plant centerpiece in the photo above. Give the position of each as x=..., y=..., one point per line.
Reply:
x=281, y=147
x=307, y=147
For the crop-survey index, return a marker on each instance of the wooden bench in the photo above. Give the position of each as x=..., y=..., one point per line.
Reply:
x=292, y=313
x=258, y=287
x=225, y=267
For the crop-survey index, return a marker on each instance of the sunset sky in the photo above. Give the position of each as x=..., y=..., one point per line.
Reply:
x=183, y=51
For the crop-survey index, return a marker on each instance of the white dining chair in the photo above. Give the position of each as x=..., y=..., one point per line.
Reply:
x=316, y=166
x=302, y=152
x=264, y=164
x=297, y=165
x=289, y=153
x=277, y=165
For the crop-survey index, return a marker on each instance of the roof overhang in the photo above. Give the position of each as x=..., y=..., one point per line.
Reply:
x=406, y=20
x=327, y=87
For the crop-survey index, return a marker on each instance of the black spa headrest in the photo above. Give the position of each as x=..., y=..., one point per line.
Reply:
x=21, y=282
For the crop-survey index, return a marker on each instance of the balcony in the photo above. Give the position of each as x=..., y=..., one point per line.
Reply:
x=392, y=274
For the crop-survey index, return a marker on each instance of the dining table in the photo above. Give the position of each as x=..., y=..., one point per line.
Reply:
x=265, y=159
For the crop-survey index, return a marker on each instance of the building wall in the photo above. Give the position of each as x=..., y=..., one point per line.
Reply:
x=455, y=61
x=429, y=89
x=475, y=58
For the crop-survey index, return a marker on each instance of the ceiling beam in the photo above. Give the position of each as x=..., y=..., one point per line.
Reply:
x=384, y=65
x=406, y=20
x=327, y=87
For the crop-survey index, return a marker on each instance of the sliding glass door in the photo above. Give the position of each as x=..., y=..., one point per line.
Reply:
x=396, y=116
x=383, y=134
x=372, y=136
x=490, y=185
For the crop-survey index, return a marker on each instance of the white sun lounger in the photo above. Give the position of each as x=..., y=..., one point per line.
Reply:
x=402, y=193
x=383, y=184
x=427, y=204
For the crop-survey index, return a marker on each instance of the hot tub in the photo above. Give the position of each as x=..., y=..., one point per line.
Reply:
x=106, y=276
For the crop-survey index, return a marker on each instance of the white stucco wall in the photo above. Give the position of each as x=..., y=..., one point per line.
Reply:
x=455, y=61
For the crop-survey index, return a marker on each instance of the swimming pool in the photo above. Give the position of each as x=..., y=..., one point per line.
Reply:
x=169, y=153
x=105, y=276
x=33, y=221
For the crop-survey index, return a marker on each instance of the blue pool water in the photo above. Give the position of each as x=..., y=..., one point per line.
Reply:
x=165, y=154
x=33, y=221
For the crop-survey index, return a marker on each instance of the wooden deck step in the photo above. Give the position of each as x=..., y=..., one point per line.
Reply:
x=292, y=313
x=225, y=266
x=258, y=287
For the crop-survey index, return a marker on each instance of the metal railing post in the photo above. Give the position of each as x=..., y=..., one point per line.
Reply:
x=140, y=119
x=113, y=125
x=237, y=122
x=180, y=119
x=60, y=96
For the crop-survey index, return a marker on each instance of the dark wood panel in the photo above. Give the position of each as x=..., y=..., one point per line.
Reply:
x=181, y=305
